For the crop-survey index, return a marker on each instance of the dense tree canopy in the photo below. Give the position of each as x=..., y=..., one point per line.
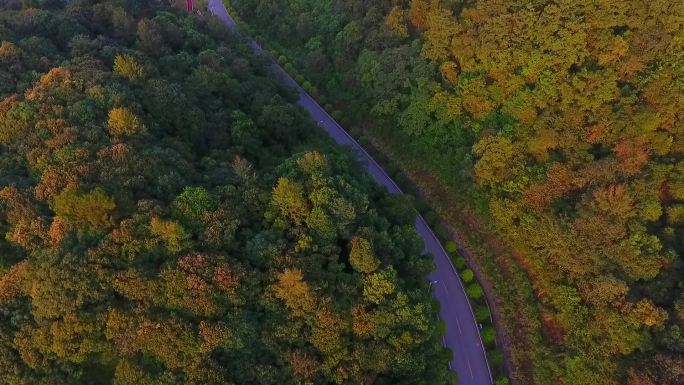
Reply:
x=562, y=122
x=169, y=216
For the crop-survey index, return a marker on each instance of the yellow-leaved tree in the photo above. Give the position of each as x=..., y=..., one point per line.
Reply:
x=122, y=122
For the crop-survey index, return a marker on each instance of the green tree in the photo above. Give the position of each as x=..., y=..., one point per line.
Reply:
x=192, y=204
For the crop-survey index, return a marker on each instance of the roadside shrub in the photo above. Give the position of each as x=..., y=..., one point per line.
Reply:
x=299, y=79
x=436, y=306
x=502, y=381
x=451, y=247
x=337, y=115
x=282, y=59
x=441, y=232
x=495, y=358
x=392, y=169
x=421, y=206
x=289, y=68
x=481, y=313
x=328, y=107
x=441, y=328
x=401, y=181
x=488, y=335
x=459, y=262
x=467, y=276
x=410, y=189
x=474, y=291
x=431, y=218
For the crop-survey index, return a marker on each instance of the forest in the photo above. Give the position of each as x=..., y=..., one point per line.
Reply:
x=170, y=216
x=558, y=125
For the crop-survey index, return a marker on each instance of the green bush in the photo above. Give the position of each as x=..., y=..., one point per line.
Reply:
x=495, y=358
x=401, y=181
x=282, y=59
x=391, y=169
x=441, y=232
x=411, y=189
x=467, y=276
x=481, y=313
x=436, y=306
x=299, y=79
x=337, y=115
x=459, y=262
x=314, y=92
x=421, y=206
x=474, y=291
x=451, y=247
x=488, y=335
x=307, y=85
x=289, y=68
x=329, y=107
x=441, y=328
x=502, y=381
x=431, y=218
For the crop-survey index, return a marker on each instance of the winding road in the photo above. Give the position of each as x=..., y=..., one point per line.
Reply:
x=462, y=334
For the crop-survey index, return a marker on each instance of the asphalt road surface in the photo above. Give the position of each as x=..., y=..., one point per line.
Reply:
x=462, y=335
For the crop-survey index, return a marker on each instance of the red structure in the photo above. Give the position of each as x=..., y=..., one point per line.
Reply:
x=188, y=3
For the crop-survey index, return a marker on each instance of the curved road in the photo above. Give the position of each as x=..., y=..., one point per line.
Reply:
x=462, y=334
